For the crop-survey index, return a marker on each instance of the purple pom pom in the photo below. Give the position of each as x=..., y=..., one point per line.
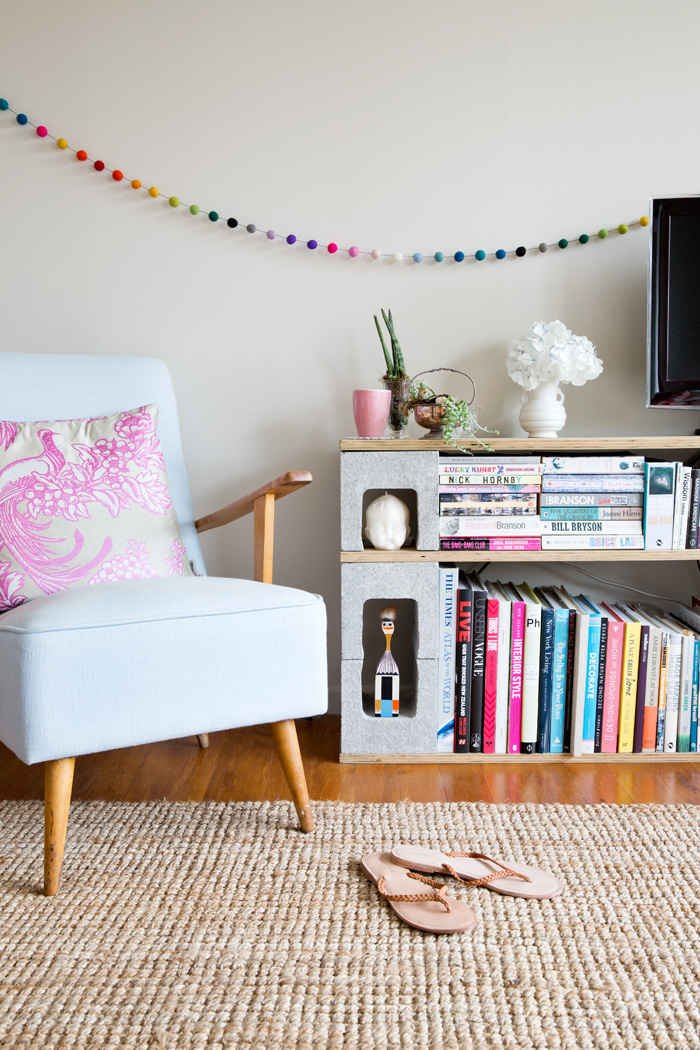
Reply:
x=312, y=244
x=291, y=239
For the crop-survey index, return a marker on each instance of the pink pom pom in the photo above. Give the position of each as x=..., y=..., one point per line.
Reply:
x=353, y=252
x=41, y=131
x=332, y=248
x=376, y=253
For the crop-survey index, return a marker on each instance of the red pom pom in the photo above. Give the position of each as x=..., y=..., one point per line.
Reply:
x=81, y=154
x=99, y=165
x=117, y=175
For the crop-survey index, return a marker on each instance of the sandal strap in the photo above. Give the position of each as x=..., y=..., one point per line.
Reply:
x=469, y=881
x=437, y=897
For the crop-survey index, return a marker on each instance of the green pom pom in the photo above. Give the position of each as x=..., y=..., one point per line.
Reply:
x=4, y=104
x=214, y=216
x=438, y=257
x=622, y=228
x=602, y=234
x=480, y=255
x=583, y=239
x=563, y=243
x=174, y=202
x=194, y=209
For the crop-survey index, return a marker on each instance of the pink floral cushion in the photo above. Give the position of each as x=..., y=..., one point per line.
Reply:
x=84, y=501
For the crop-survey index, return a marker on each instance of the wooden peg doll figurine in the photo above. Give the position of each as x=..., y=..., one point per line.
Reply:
x=386, y=679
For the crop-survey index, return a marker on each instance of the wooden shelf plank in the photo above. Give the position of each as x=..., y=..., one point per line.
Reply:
x=410, y=555
x=448, y=759
x=572, y=444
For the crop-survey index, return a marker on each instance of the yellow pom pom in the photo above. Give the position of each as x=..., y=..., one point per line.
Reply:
x=174, y=202
x=153, y=192
x=644, y=221
x=61, y=143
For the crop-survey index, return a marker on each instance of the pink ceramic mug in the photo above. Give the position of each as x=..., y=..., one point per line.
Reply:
x=371, y=411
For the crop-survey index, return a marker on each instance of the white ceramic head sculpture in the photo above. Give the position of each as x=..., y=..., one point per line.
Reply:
x=387, y=523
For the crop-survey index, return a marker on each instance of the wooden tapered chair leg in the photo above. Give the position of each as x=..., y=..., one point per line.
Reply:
x=203, y=739
x=284, y=735
x=58, y=784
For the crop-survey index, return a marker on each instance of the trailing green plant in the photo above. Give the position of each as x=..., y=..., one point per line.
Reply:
x=458, y=416
x=395, y=364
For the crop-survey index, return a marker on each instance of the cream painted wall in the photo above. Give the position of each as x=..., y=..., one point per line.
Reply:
x=391, y=123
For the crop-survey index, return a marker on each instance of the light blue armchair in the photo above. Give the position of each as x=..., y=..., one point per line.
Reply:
x=94, y=668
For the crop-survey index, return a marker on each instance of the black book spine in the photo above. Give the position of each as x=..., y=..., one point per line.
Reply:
x=464, y=664
x=691, y=539
x=600, y=697
x=476, y=721
x=544, y=715
x=568, y=700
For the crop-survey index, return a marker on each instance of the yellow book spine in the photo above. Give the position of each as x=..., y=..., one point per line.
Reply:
x=628, y=697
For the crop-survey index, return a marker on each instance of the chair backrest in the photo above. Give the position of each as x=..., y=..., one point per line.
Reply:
x=80, y=386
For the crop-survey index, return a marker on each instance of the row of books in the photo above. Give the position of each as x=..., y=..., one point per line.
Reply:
x=539, y=671
x=567, y=503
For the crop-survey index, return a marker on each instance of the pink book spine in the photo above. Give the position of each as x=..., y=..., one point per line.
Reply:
x=490, y=676
x=516, y=678
x=613, y=684
x=515, y=543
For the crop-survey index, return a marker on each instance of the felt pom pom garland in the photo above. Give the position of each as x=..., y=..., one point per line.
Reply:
x=311, y=244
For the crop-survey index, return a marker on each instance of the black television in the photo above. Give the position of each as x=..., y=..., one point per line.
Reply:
x=673, y=303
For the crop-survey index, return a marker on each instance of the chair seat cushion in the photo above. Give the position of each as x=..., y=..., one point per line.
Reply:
x=129, y=663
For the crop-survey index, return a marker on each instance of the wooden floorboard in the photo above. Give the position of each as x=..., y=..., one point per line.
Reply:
x=241, y=765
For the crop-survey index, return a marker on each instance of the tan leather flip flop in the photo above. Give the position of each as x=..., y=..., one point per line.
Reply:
x=433, y=912
x=476, y=869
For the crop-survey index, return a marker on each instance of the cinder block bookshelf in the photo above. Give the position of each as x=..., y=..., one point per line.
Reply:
x=363, y=738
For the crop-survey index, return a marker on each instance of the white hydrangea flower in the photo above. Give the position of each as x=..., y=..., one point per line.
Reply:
x=549, y=352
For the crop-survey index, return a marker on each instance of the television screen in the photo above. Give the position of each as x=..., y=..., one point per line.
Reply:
x=673, y=336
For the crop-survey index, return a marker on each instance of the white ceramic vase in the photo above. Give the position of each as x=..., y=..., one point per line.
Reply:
x=543, y=413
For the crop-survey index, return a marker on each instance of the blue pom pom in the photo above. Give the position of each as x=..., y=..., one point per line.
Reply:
x=4, y=104
x=417, y=257
x=480, y=255
x=500, y=254
x=21, y=118
x=459, y=256
x=438, y=257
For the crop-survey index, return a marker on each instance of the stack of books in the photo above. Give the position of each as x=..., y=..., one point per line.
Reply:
x=490, y=503
x=672, y=506
x=592, y=503
x=527, y=670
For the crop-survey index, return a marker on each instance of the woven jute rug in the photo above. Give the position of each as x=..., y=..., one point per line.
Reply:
x=217, y=925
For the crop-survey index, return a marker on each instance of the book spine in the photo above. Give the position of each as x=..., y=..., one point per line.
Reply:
x=516, y=677
x=658, y=506
x=466, y=462
x=638, y=735
x=651, y=693
x=591, y=513
x=694, y=697
x=628, y=695
x=478, y=499
x=600, y=694
x=591, y=499
x=476, y=720
x=546, y=683
x=593, y=465
x=591, y=696
x=570, y=680
x=663, y=683
x=613, y=685
x=681, y=506
x=673, y=685
x=470, y=468
x=464, y=665
x=575, y=543
x=502, y=680
x=597, y=483
x=449, y=579
x=691, y=538
x=595, y=528
x=491, y=675
x=483, y=526
x=493, y=510
x=578, y=699
x=559, y=659
x=491, y=543
x=531, y=678
x=685, y=693
x=447, y=480
x=454, y=491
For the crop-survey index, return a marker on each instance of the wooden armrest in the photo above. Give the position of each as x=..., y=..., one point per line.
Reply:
x=282, y=486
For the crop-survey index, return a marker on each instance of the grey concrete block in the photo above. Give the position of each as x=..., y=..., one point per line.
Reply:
x=363, y=733
x=388, y=471
x=362, y=581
